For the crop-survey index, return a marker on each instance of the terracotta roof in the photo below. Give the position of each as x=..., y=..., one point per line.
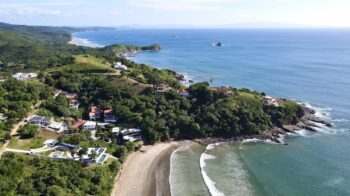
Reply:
x=78, y=124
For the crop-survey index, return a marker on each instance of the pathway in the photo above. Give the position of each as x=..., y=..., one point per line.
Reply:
x=17, y=126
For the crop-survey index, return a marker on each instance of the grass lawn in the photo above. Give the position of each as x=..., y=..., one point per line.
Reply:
x=47, y=153
x=46, y=134
x=124, y=82
x=37, y=142
x=26, y=144
x=85, y=64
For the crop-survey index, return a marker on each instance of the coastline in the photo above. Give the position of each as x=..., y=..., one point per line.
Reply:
x=146, y=172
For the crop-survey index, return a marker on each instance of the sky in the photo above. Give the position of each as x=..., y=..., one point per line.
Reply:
x=178, y=13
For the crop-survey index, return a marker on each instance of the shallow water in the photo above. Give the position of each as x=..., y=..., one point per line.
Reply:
x=310, y=66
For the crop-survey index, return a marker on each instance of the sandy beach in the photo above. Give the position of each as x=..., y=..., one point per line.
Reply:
x=146, y=172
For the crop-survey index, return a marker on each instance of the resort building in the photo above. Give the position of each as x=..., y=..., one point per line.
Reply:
x=108, y=116
x=41, y=121
x=270, y=101
x=95, y=155
x=120, y=66
x=25, y=76
x=94, y=113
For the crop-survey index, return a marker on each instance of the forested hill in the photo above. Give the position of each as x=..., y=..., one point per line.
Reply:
x=139, y=96
x=33, y=48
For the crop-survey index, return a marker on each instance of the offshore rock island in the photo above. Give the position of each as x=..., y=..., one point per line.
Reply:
x=77, y=112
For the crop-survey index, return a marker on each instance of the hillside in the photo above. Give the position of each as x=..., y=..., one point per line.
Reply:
x=151, y=100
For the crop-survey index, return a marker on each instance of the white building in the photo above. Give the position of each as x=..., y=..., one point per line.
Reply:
x=90, y=125
x=116, y=130
x=57, y=126
x=270, y=101
x=130, y=131
x=25, y=76
x=2, y=79
x=132, y=138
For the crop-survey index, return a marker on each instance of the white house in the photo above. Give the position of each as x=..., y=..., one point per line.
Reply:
x=130, y=131
x=90, y=125
x=116, y=130
x=25, y=76
x=132, y=138
x=50, y=143
x=270, y=101
x=103, y=125
x=57, y=126
x=120, y=66
x=2, y=79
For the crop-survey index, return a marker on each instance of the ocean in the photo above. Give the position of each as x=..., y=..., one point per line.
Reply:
x=311, y=66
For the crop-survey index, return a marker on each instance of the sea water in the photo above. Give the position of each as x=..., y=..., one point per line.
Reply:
x=309, y=65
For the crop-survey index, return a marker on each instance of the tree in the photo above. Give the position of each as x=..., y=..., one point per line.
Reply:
x=28, y=131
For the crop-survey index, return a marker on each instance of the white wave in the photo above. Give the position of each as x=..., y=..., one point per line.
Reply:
x=321, y=112
x=208, y=182
x=255, y=140
x=303, y=133
x=212, y=146
x=342, y=120
x=84, y=42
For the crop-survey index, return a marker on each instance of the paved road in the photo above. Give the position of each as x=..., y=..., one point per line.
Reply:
x=16, y=151
x=16, y=127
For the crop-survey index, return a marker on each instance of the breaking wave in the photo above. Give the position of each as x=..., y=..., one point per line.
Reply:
x=207, y=180
x=84, y=42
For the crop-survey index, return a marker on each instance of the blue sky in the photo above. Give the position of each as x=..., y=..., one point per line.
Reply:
x=178, y=13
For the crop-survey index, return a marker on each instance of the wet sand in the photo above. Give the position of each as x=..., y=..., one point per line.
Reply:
x=146, y=172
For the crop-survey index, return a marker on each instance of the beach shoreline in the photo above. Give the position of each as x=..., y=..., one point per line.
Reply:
x=146, y=172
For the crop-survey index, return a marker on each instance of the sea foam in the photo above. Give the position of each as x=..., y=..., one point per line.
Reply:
x=84, y=42
x=207, y=180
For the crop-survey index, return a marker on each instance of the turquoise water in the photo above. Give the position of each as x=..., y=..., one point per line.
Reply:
x=310, y=66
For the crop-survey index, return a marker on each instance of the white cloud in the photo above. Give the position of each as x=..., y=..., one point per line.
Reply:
x=32, y=11
x=182, y=5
